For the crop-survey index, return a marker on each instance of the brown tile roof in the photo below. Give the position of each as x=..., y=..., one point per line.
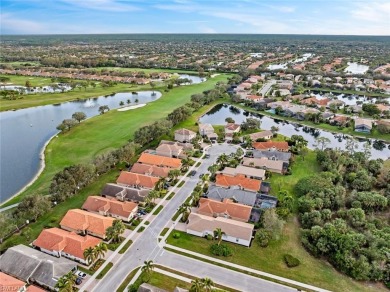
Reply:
x=55, y=239
x=238, y=180
x=228, y=208
x=109, y=206
x=258, y=135
x=185, y=132
x=77, y=219
x=136, y=179
x=151, y=170
x=232, y=126
x=281, y=146
x=8, y=283
x=151, y=159
x=232, y=228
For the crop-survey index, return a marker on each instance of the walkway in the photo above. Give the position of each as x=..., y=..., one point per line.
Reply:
x=266, y=87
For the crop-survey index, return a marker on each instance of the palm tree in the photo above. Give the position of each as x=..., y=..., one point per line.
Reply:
x=148, y=268
x=153, y=195
x=222, y=159
x=197, y=285
x=161, y=184
x=185, y=164
x=174, y=174
x=213, y=169
x=90, y=255
x=218, y=233
x=185, y=209
x=115, y=231
x=207, y=284
x=66, y=282
x=100, y=250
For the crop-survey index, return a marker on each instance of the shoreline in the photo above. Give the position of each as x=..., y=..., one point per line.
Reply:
x=131, y=107
x=42, y=166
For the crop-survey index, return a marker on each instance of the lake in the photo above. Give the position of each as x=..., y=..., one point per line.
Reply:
x=304, y=58
x=356, y=68
x=219, y=113
x=348, y=99
x=24, y=132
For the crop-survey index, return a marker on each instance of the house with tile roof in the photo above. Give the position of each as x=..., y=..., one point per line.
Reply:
x=271, y=146
x=150, y=170
x=162, y=161
x=33, y=266
x=272, y=155
x=248, y=172
x=234, y=193
x=277, y=166
x=227, y=209
x=136, y=180
x=8, y=283
x=170, y=150
x=363, y=125
x=184, y=135
x=111, y=207
x=58, y=242
x=235, y=231
x=261, y=135
x=231, y=128
x=206, y=129
x=83, y=222
x=244, y=183
x=123, y=193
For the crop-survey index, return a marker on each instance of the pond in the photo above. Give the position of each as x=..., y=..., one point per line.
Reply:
x=42, y=89
x=195, y=79
x=348, y=99
x=356, y=68
x=304, y=58
x=24, y=133
x=219, y=113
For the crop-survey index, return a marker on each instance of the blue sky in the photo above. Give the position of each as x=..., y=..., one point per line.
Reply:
x=356, y=17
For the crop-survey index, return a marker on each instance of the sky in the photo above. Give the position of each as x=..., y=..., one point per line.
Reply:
x=331, y=17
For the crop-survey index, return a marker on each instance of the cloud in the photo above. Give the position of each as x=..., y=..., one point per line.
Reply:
x=177, y=7
x=105, y=5
x=11, y=24
x=375, y=11
x=284, y=9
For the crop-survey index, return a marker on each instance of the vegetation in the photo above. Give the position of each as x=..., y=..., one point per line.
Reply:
x=66, y=282
x=115, y=231
x=291, y=261
x=104, y=271
x=158, y=210
x=92, y=254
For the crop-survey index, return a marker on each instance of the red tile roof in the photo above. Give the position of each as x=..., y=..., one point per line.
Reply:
x=8, y=283
x=136, y=179
x=77, y=219
x=226, y=208
x=238, y=180
x=281, y=146
x=109, y=206
x=55, y=239
x=157, y=160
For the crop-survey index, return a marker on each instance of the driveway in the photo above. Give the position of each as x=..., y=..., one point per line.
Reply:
x=146, y=247
x=266, y=87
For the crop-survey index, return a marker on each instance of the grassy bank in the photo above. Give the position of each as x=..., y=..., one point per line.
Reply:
x=106, y=132
x=354, y=92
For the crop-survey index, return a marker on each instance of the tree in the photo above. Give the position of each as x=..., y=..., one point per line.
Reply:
x=213, y=169
x=128, y=101
x=121, y=103
x=28, y=84
x=229, y=120
x=148, y=268
x=263, y=237
x=66, y=282
x=174, y=174
x=103, y=108
x=274, y=129
x=207, y=284
x=101, y=249
x=196, y=286
x=32, y=207
x=153, y=195
x=160, y=185
x=251, y=124
x=218, y=234
x=115, y=231
x=89, y=255
x=79, y=116
x=272, y=223
x=184, y=209
x=322, y=142
x=152, y=85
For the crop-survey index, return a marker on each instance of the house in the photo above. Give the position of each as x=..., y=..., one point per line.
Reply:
x=363, y=125
x=145, y=287
x=8, y=283
x=170, y=150
x=248, y=172
x=264, y=163
x=186, y=146
x=83, y=222
x=205, y=129
x=58, y=243
x=272, y=155
x=158, y=160
x=137, y=180
x=33, y=266
x=253, y=98
x=271, y=146
x=150, y=170
x=261, y=135
x=111, y=207
x=184, y=135
x=231, y=128
x=227, y=181
x=235, y=231
x=339, y=120
x=124, y=193
x=234, y=193
x=227, y=209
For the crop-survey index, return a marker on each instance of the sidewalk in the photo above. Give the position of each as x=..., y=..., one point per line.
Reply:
x=235, y=266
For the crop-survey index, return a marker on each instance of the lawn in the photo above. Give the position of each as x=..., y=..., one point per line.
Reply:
x=122, y=69
x=107, y=132
x=311, y=271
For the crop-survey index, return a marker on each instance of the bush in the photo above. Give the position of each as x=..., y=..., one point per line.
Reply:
x=291, y=261
x=263, y=237
x=176, y=235
x=221, y=250
x=209, y=237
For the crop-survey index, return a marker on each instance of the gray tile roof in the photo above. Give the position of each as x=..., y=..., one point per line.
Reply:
x=241, y=196
x=125, y=193
x=31, y=265
x=145, y=287
x=273, y=155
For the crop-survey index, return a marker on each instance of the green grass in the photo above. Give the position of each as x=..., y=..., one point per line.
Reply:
x=126, y=282
x=125, y=247
x=113, y=246
x=21, y=80
x=198, y=164
x=142, y=228
x=107, y=132
x=170, y=196
x=87, y=271
x=165, y=230
x=54, y=216
x=147, y=222
x=158, y=210
x=167, y=283
x=311, y=271
x=104, y=271
x=181, y=184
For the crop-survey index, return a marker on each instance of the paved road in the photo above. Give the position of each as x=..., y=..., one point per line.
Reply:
x=146, y=247
x=266, y=87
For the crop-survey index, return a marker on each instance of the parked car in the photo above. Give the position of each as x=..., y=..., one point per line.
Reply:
x=201, y=175
x=81, y=274
x=207, y=156
x=192, y=173
x=79, y=281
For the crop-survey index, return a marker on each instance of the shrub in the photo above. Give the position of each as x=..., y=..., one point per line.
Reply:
x=221, y=250
x=291, y=261
x=263, y=237
x=176, y=235
x=209, y=237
